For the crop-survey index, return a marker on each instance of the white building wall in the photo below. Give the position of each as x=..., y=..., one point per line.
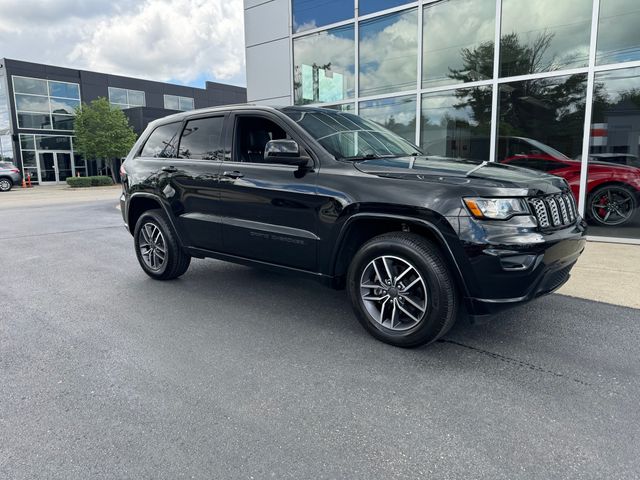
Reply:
x=268, y=51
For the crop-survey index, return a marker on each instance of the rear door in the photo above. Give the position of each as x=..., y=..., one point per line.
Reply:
x=269, y=211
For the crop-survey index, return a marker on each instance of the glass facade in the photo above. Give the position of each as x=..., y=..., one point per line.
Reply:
x=6, y=148
x=125, y=98
x=513, y=81
x=49, y=158
x=45, y=104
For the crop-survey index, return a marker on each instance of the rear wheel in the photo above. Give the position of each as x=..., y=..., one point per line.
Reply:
x=611, y=205
x=402, y=290
x=157, y=247
x=5, y=184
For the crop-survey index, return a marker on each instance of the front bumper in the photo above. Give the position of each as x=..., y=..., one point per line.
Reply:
x=505, y=268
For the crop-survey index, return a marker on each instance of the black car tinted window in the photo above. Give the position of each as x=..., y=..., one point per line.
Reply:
x=202, y=139
x=162, y=142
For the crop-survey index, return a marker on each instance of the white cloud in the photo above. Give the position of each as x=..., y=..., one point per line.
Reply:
x=180, y=40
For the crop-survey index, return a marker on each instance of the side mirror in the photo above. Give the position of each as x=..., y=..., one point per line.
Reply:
x=285, y=152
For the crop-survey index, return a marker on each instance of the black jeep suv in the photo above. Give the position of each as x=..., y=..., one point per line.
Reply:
x=335, y=197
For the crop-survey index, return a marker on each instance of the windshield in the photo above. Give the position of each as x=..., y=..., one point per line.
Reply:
x=350, y=137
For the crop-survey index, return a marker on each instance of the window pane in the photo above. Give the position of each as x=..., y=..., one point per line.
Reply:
x=613, y=177
x=6, y=148
x=29, y=85
x=50, y=142
x=466, y=56
x=185, y=103
x=618, y=32
x=136, y=98
x=66, y=90
x=161, y=142
x=543, y=119
x=64, y=106
x=29, y=160
x=171, y=102
x=27, y=142
x=117, y=95
x=397, y=114
x=202, y=139
x=388, y=53
x=63, y=122
x=370, y=6
x=308, y=14
x=324, y=66
x=35, y=121
x=31, y=103
x=457, y=123
x=544, y=35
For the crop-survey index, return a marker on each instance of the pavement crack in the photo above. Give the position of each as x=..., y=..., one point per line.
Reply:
x=60, y=233
x=519, y=363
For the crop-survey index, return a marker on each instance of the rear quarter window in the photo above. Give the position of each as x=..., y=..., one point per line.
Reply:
x=162, y=141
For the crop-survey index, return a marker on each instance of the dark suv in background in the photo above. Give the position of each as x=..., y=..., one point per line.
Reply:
x=337, y=198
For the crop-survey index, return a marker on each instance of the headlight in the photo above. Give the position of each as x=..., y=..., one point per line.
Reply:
x=496, y=208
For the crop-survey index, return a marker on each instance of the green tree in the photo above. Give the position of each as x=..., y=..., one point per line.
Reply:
x=102, y=133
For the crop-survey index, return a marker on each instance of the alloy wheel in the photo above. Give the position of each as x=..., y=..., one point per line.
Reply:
x=393, y=293
x=612, y=206
x=153, y=247
x=5, y=185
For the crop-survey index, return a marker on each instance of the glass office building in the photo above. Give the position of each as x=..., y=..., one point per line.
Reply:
x=542, y=84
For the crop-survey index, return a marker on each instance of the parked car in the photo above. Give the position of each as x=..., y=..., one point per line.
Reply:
x=9, y=176
x=613, y=191
x=337, y=198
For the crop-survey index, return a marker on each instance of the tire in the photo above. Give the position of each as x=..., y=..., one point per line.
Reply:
x=165, y=259
x=5, y=184
x=612, y=205
x=402, y=251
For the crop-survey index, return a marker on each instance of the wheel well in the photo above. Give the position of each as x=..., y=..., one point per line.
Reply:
x=361, y=231
x=137, y=207
x=614, y=183
x=6, y=177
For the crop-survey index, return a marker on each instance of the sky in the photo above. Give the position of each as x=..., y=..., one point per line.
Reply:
x=179, y=41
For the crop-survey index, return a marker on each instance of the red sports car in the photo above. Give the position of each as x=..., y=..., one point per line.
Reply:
x=613, y=191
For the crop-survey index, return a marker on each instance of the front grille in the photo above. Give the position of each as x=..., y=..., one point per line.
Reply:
x=554, y=211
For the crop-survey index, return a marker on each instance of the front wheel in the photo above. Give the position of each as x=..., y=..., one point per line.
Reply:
x=157, y=247
x=402, y=290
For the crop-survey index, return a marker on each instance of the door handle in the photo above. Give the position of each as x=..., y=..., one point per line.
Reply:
x=170, y=169
x=234, y=174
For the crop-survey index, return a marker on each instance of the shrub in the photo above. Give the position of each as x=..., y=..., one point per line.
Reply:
x=101, y=181
x=76, y=182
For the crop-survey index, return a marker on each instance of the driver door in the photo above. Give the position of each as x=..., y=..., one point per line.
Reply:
x=269, y=211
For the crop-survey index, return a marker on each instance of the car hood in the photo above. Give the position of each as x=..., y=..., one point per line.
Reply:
x=480, y=176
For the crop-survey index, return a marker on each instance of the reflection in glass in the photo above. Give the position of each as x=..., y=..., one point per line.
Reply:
x=541, y=125
x=118, y=95
x=63, y=122
x=53, y=142
x=370, y=6
x=185, y=103
x=613, y=177
x=64, y=106
x=34, y=86
x=201, y=139
x=27, y=142
x=388, y=53
x=466, y=56
x=136, y=98
x=308, y=14
x=34, y=121
x=544, y=35
x=618, y=32
x=32, y=103
x=457, y=123
x=6, y=149
x=65, y=90
x=29, y=160
x=324, y=66
x=397, y=114
x=345, y=107
x=171, y=102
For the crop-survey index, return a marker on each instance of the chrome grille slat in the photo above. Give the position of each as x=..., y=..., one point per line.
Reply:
x=553, y=211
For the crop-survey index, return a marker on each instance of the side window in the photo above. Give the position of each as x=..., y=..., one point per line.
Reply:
x=202, y=139
x=251, y=136
x=162, y=141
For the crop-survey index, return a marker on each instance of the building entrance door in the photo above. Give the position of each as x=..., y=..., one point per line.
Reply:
x=54, y=167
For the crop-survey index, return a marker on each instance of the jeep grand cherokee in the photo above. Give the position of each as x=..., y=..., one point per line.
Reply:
x=335, y=197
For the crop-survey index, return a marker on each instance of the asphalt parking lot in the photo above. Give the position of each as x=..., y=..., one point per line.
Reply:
x=233, y=372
